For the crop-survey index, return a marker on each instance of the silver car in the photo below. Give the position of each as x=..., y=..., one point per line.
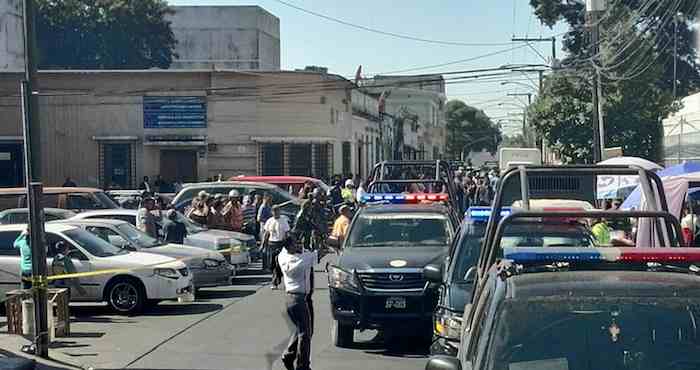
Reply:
x=208, y=268
x=233, y=245
x=16, y=216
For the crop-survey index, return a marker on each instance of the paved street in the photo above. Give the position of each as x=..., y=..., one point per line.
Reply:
x=236, y=327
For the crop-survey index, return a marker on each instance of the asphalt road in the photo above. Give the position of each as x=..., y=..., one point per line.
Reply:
x=239, y=327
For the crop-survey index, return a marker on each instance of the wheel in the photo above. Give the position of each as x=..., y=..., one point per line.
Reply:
x=126, y=296
x=342, y=335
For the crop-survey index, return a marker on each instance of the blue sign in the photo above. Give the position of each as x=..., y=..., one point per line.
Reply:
x=174, y=112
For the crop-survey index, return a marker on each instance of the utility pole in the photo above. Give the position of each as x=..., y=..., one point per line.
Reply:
x=553, y=40
x=593, y=8
x=32, y=169
x=675, y=84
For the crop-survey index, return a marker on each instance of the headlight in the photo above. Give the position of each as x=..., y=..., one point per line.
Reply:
x=341, y=279
x=167, y=273
x=211, y=263
x=448, y=324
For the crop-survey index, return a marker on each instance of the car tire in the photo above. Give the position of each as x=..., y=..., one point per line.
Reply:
x=343, y=336
x=126, y=296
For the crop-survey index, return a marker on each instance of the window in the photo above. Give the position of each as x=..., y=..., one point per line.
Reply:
x=299, y=161
x=7, y=243
x=347, y=153
x=272, y=159
x=324, y=158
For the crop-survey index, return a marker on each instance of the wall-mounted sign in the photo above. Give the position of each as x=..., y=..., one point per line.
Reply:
x=174, y=112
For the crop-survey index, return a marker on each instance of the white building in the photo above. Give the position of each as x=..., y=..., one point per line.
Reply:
x=11, y=42
x=682, y=132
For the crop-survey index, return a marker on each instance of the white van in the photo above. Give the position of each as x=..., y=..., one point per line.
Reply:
x=141, y=279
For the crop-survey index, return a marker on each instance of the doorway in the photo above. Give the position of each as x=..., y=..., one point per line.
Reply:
x=178, y=165
x=11, y=165
x=117, y=166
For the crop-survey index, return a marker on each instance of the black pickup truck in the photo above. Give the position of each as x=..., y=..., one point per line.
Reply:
x=377, y=282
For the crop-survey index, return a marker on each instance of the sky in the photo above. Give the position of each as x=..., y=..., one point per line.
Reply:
x=310, y=40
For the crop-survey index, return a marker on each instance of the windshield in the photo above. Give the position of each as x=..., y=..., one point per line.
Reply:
x=404, y=230
x=93, y=244
x=138, y=237
x=596, y=333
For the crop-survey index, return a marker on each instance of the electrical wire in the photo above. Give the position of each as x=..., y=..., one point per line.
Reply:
x=386, y=33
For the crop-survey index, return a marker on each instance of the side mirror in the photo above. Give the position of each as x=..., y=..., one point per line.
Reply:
x=443, y=363
x=433, y=273
x=470, y=276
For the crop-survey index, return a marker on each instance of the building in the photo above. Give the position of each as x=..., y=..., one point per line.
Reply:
x=226, y=37
x=418, y=104
x=682, y=133
x=110, y=128
x=209, y=37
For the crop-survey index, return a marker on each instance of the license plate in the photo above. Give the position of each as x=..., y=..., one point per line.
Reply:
x=395, y=302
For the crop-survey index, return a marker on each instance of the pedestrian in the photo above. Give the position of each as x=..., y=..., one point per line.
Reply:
x=362, y=190
x=341, y=225
x=305, y=224
x=63, y=264
x=248, y=212
x=69, y=183
x=348, y=192
x=145, y=219
x=145, y=185
x=276, y=230
x=265, y=210
x=199, y=211
x=215, y=218
x=174, y=231
x=336, y=193
x=25, y=252
x=297, y=266
x=305, y=191
x=233, y=212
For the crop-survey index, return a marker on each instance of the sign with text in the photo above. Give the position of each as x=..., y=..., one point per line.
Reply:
x=174, y=112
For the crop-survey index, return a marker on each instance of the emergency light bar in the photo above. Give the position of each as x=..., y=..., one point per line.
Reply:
x=482, y=214
x=527, y=255
x=411, y=198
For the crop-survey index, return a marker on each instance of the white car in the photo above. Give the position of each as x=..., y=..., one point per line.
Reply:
x=131, y=280
x=233, y=245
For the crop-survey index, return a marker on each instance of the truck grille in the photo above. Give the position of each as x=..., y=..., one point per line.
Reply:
x=392, y=281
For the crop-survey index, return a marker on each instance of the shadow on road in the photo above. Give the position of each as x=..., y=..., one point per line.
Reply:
x=251, y=280
x=209, y=295
x=182, y=309
x=393, y=346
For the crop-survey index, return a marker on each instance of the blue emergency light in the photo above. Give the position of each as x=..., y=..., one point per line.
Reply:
x=482, y=214
x=399, y=198
x=537, y=255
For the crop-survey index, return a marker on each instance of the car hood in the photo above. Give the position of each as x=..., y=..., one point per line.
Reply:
x=223, y=234
x=182, y=251
x=365, y=258
x=142, y=259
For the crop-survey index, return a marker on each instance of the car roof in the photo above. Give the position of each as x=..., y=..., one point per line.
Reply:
x=228, y=184
x=602, y=283
x=278, y=179
x=93, y=221
x=55, y=190
x=46, y=210
x=405, y=208
x=107, y=212
x=52, y=227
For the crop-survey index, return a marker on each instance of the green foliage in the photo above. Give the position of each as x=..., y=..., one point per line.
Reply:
x=104, y=34
x=517, y=141
x=469, y=129
x=637, y=76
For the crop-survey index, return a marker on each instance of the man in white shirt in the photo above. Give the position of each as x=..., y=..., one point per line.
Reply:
x=276, y=230
x=297, y=268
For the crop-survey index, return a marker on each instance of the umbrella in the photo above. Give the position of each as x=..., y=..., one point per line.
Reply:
x=635, y=198
x=631, y=161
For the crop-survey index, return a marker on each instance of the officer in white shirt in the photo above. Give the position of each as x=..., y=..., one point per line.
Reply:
x=297, y=269
x=276, y=232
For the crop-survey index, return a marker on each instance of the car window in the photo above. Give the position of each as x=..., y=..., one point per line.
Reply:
x=390, y=230
x=15, y=218
x=102, y=232
x=7, y=242
x=138, y=237
x=93, y=244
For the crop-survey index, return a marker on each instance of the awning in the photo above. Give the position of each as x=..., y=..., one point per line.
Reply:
x=175, y=143
x=292, y=139
x=115, y=138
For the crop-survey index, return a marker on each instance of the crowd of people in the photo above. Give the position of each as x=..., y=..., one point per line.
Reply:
x=476, y=187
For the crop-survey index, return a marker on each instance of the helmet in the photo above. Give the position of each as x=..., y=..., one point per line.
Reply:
x=233, y=194
x=349, y=183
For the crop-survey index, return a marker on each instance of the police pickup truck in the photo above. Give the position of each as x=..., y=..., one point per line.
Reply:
x=377, y=282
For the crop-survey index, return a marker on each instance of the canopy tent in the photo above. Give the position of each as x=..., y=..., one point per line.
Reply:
x=634, y=199
x=618, y=187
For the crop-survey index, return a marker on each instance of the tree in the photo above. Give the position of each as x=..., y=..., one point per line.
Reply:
x=469, y=130
x=104, y=34
x=517, y=141
x=636, y=65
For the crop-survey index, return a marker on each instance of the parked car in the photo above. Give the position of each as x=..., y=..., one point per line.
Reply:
x=292, y=184
x=233, y=245
x=130, y=281
x=74, y=199
x=130, y=199
x=21, y=215
x=208, y=268
x=289, y=204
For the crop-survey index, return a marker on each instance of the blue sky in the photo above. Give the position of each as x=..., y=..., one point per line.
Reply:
x=309, y=40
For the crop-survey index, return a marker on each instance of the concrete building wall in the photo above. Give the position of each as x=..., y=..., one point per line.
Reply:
x=11, y=41
x=226, y=37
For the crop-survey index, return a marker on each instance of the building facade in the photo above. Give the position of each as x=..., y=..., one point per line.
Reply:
x=110, y=128
x=682, y=132
x=11, y=40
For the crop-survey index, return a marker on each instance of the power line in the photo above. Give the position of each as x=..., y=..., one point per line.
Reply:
x=386, y=33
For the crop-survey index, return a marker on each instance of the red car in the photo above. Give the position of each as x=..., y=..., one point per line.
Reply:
x=292, y=184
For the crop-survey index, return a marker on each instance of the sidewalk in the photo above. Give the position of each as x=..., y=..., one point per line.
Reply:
x=12, y=356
